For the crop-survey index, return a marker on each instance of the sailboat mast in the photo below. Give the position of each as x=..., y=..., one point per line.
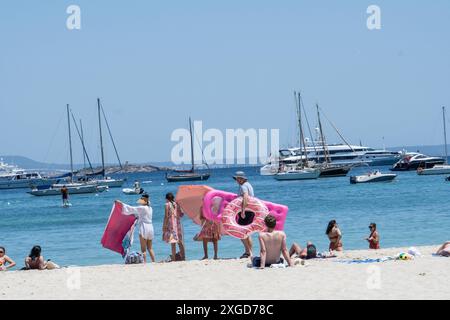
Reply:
x=302, y=137
x=192, y=144
x=70, y=141
x=101, y=137
x=322, y=137
x=445, y=135
x=82, y=142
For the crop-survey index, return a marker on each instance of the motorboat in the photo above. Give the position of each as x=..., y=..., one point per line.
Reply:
x=133, y=191
x=415, y=160
x=299, y=174
x=437, y=169
x=74, y=189
x=23, y=180
x=376, y=176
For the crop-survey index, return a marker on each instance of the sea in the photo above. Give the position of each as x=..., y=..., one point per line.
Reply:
x=413, y=210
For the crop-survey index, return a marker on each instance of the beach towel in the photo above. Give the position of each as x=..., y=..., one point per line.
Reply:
x=119, y=225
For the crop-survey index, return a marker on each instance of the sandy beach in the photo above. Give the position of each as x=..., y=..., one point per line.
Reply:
x=425, y=277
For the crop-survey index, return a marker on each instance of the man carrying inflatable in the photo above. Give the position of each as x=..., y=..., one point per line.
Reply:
x=245, y=191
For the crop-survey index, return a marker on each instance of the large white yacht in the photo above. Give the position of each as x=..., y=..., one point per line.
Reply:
x=338, y=154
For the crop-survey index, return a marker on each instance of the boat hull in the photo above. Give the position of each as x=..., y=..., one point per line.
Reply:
x=188, y=177
x=367, y=179
x=301, y=175
x=416, y=165
x=438, y=169
x=26, y=184
x=334, y=172
x=71, y=190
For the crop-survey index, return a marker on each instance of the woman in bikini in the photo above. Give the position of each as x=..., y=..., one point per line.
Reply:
x=335, y=236
x=35, y=260
x=172, y=228
x=5, y=261
x=374, y=238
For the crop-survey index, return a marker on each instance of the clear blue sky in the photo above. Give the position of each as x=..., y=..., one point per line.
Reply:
x=229, y=63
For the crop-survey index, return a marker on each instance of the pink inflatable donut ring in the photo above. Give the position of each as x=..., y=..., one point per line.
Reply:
x=215, y=202
x=230, y=218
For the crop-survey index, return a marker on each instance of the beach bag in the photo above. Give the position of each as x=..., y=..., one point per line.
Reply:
x=134, y=258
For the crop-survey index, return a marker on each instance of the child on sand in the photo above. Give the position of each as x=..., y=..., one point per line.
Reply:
x=210, y=230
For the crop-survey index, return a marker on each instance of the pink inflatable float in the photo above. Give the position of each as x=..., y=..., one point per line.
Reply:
x=216, y=203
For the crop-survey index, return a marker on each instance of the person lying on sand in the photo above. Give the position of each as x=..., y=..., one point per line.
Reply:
x=444, y=250
x=272, y=244
x=309, y=252
x=5, y=261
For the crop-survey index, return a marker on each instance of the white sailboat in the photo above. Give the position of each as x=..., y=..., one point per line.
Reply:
x=438, y=168
x=72, y=187
x=105, y=180
x=302, y=171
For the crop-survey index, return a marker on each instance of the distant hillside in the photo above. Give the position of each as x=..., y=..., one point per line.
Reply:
x=27, y=163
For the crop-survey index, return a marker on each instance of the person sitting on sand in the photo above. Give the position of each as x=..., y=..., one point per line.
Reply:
x=272, y=246
x=35, y=261
x=172, y=228
x=444, y=250
x=374, y=237
x=5, y=261
x=335, y=236
x=309, y=252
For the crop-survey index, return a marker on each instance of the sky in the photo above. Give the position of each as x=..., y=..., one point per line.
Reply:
x=231, y=64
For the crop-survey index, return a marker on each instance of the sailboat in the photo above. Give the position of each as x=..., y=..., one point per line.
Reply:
x=72, y=187
x=327, y=169
x=438, y=168
x=105, y=180
x=303, y=171
x=188, y=175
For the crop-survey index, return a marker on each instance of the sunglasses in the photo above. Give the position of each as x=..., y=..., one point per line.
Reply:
x=2, y=252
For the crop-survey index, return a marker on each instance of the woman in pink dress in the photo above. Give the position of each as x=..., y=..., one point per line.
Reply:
x=172, y=228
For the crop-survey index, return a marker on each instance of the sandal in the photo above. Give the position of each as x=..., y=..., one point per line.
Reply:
x=245, y=256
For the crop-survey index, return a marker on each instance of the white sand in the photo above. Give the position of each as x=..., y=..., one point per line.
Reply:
x=426, y=277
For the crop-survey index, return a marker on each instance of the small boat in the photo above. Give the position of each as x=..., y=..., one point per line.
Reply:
x=188, y=175
x=438, y=168
x=56, y=191
x=300, y=174
x=376, y=176
x=132, y=191
x=414, y=160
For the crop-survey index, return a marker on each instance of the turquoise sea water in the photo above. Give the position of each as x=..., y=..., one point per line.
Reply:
x=414, y=210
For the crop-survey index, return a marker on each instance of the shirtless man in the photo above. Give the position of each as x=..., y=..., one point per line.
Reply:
x=4, y=259
x=444, y=250
x=273, y=244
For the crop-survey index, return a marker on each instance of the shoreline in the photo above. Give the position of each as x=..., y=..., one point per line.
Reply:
x=425, y=277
